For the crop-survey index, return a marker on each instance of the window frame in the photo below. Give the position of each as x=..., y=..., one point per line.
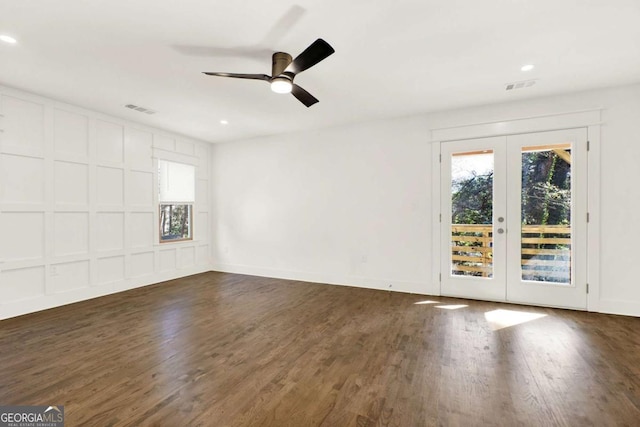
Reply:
x=190, y=222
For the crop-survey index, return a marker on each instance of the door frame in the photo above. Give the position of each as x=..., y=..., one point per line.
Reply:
x=589, y=119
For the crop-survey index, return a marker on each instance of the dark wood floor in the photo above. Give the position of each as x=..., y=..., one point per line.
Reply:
x=229, y=350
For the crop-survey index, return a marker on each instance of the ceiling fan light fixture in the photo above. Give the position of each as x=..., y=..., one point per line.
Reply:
x=281, y=85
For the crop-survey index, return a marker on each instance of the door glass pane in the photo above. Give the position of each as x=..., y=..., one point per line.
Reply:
x=546, y=213
x=472, y=214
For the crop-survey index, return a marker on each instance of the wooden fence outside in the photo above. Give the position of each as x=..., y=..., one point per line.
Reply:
x=545, y=252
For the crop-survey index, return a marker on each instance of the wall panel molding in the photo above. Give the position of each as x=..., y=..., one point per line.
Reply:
x=78, y=188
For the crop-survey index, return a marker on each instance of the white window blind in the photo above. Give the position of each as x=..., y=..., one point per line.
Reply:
x=176, y=181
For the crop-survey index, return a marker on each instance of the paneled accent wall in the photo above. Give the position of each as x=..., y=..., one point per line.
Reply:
x=78, y=204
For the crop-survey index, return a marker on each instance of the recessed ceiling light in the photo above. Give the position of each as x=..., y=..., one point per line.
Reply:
x=527, y=67
x=224, y=122
x=8, y=39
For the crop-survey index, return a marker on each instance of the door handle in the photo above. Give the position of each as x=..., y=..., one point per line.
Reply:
x=500, y=230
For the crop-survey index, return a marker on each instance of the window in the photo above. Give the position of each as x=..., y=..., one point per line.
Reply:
x=175, y=222
x=176, y=196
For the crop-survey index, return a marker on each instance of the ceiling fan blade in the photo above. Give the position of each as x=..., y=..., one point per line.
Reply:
x=303, y=96
x=240, y=76
x=255, y=52
x=283, y=25
x=316, y=52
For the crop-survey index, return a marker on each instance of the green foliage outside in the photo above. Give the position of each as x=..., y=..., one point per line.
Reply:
x=472, y=200
x=546, y=196
x=174, y=221
x=546, y=183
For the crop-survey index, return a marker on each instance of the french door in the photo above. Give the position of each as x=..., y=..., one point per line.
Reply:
x=514, y=219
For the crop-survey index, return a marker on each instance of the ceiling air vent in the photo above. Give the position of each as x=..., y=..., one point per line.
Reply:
x=140, y=109
x=520, y=85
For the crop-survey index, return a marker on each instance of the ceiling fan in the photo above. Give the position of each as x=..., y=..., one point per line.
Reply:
x=284, y=69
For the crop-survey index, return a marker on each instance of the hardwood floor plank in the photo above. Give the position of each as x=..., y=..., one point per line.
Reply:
x=232, y=350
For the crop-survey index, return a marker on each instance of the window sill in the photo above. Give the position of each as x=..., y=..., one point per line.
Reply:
x=181, y=242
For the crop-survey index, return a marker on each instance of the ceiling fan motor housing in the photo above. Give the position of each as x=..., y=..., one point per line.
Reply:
x=280, y=61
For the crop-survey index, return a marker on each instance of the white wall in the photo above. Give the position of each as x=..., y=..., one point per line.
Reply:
x=352, y=205
x=343, y=206
x=78, y=205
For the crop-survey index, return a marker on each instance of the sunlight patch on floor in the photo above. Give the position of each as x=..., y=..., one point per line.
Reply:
x=426, y=302
x=499, y=319
x=452, y=306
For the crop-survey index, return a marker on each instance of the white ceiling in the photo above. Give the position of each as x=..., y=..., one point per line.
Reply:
x=393, y=58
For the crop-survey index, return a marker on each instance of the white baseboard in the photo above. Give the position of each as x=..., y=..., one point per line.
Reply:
x=619, y=307
x=45, y=302
x=625, y=308
x=355, y=281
